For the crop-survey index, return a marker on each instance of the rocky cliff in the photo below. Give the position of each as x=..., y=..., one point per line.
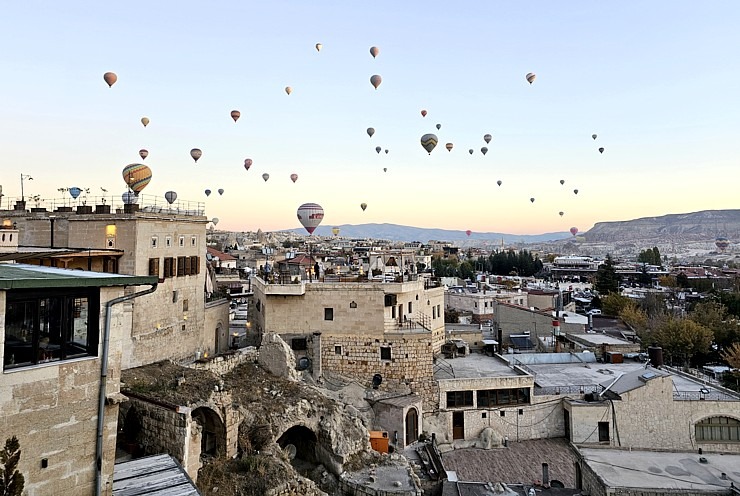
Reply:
x=696, y=226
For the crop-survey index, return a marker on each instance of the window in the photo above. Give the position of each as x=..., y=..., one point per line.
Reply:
x=410, y=308
x=57, y=325
x=459, y=398
x=497, y=397
x=194, y=265
x=168, y=241
x=169, y=267
x=385, y=352
x=718, y=430
x=337, y=350
x=603, y=432
x=194, y=241
x=155, y=241
x=434, y=313
x=181, y=266
x=298, y=344
x=185, y=305
x=181, y=241
x=328, y=314
x=154, y=267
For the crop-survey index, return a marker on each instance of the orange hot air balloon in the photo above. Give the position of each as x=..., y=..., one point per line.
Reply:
x=375, y=80
x=423, y=113
x=294, y=177
x=137, y=176
x=110, y=78
x=145, y=121
x=449, y=147
x=235, y=114
x=196, y=153
x=143, y=154
x=374, y=51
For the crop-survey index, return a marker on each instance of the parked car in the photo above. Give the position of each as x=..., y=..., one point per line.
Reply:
x=594, y=311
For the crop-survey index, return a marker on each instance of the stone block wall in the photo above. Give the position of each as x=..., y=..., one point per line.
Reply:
x=516, y=320
x=223, y=364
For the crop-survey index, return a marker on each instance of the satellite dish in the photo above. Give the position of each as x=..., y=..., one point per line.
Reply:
x=377, y=380
x=303, y=364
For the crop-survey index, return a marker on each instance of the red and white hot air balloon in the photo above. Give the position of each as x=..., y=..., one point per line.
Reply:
x=574, y=230
x=310, y=215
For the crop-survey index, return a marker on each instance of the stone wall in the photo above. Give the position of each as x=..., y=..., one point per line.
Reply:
x=216, y=322
x=516, y=320
x=223, y=364
x=52, y=409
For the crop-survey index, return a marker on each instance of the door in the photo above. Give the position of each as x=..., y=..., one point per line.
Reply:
x=458, y=425
x=566, y=424
x=412, y=426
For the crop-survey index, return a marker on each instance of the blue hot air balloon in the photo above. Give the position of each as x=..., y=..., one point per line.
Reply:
x=75, y=192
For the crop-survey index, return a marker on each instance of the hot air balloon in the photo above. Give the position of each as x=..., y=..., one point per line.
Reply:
x=170, y=196
x=375, y=80
x=220, y=191
x=145, y=121
x=574, y=230
x=575, y=191
x=531, y=200
x=196, y=153
x=438, y=126
x=562, y=181
x=265, y=176
x=499, y=182
x=378, y=149
x=449, y=147
x=310, y=215
x=294, y=177
x=74, y=192
x=468, y=232
x=215, y=221
x=386, y=151
x=137, y=176
x=484, y=150
x=601, y=150
x=129, y=198
x=335, y=231
x=110, y=78
x=722, y=243
x=385, y=169
x=594, y=136
x=561, y=214
x=374, y=51
x=487, y=138
x=143, y=154
x=423, y=113
x=288, y=90
x=318, y=47
x=370, y=131
x=235, y=114
x=207, y=192
x=247, y=163
x=471, y=151
x=428, y=142
x=363, y=206
x=531, y=77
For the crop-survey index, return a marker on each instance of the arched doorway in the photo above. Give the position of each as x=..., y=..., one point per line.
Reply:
x=213, y=434
x=412, y=426
x=303, y=453
x=129, y=430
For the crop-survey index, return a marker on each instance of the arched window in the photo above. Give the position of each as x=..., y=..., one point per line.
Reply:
x=718, y=430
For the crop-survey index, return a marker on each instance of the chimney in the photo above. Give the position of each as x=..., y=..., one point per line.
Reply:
x=545, y=475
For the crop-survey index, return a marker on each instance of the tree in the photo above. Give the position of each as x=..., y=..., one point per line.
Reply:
x=732, y=356
x=613, y=303
x=452, y=316
x=607, y=279
x=11, y=480
x=683, y=338
x=634, y=316
x=650, y=256
x=713, y=314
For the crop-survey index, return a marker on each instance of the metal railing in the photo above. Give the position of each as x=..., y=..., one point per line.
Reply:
x=699, y=396
x=566, y=390
x=146, y=203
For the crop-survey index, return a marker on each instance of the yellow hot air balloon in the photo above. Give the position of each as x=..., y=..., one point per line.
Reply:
x=196, y=153
x=375, y=80
x=374, y=51
x=288, y=90
x=335, y=231
x=428, y=142
x=235, y=114
x=137, y=176
x=531, y=77
x=110, y=78
x=449, y=147
x=145, y=121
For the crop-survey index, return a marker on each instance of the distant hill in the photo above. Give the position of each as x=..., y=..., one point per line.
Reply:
x=696, y=226
x=395, y=232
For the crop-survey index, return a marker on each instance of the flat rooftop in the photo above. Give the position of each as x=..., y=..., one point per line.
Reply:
x=579, y=374
x=599, y=339
x=664, y=470
x=475, y=365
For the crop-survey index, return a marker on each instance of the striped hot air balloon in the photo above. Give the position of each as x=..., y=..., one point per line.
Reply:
x=310, y=215
x=429, y=141
x=137, y=176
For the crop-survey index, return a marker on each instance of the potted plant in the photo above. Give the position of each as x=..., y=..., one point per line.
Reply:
x=37, y=201
x=102, y=208
x=84, y=208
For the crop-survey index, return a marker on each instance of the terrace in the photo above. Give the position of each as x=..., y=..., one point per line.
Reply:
x=85, y=204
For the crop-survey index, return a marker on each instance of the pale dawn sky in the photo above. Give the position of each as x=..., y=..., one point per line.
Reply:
x=656, y=81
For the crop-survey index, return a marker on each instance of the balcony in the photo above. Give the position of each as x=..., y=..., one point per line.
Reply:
x=106, y=205
x=273, y=289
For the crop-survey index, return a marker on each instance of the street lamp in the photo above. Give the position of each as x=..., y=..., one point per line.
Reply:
x=23, y=177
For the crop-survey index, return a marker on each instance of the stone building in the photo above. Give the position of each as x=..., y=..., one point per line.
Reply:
x=359, y=329
x=169, y=243
x=62, y=340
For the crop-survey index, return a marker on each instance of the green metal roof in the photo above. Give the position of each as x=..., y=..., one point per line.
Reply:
x=22, y=276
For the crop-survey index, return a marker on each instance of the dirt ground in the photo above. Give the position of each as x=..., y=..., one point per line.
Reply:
x=519, y=463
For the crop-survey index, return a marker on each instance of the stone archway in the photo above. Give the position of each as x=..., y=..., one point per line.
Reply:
x=412, y=426
x=213, y=434
x=300, y=443
x=129, y=430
